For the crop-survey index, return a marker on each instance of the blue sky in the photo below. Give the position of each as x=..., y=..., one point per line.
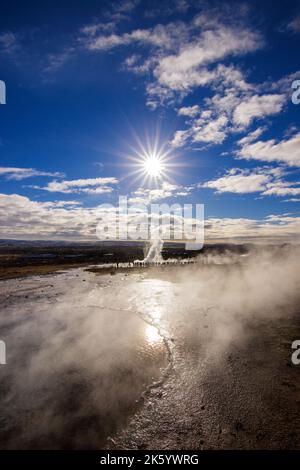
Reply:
x=89, y=85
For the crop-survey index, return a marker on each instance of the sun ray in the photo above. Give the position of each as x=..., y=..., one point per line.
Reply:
x=150, y=160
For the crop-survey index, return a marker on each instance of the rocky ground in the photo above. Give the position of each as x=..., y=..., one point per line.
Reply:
x=140, y=361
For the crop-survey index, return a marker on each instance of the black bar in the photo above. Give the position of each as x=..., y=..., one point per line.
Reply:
x=96, y=459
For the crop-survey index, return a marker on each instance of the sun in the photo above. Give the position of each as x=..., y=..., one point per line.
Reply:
x=151, y=163
x=153, y=166
x=151, y=160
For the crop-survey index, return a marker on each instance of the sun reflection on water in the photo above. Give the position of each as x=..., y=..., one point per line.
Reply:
x=152, y=334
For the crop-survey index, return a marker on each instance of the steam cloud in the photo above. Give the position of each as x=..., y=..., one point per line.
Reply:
x=76, y=354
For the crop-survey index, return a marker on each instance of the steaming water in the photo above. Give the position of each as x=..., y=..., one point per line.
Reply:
x=154, y=253
x=83, y=349
x=80, y=357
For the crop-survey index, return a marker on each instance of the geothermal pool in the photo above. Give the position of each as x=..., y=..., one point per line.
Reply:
x=161, y=358
x=82, y=355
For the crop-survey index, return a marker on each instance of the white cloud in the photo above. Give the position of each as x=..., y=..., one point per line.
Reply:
x=13, y=173
x=285, y=151
x=180, y=138
x=180, y=52
x=22, y=218
x=280, y=227
x=9, y=42
x=252, y=136
x=185, y=70
x=108, y=42
x=294, y=25
x=184, y=56
x=100, y=27
x=231, y=110
x=257, y=107
x=166, y=190
x=293, y=199
x=283, y=188
x=162, y=37
x=125, y=5
x=189, y=111
x=265, y=180
x=211, y=131
x=56, y=61
x=88, y=185
x=244, y=181
x=115, y=14
x=206, y=129
x=241, y=101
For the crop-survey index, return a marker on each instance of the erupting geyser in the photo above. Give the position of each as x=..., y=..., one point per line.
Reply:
x=154, y=253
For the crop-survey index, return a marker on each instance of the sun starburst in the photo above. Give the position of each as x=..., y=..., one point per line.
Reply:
x=151, y=161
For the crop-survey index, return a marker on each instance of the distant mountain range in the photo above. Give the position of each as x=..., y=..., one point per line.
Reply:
x=54, y=243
